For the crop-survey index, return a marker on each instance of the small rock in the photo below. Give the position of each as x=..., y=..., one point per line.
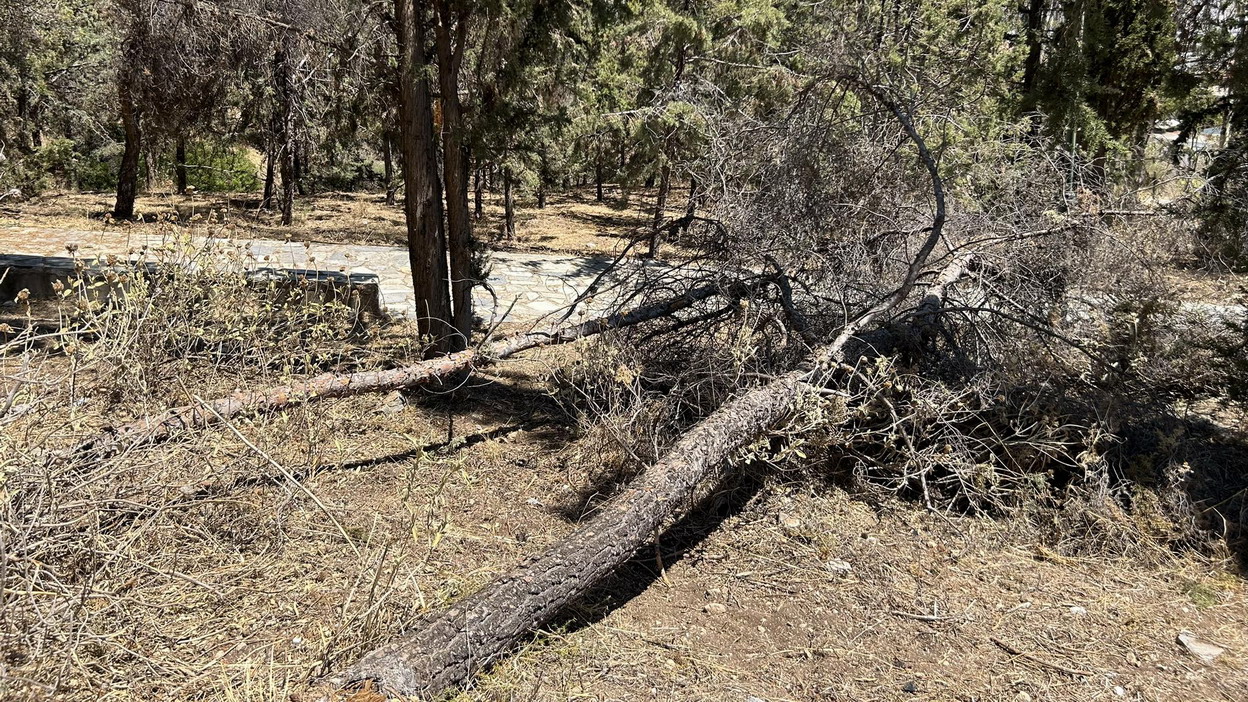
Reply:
x=715, y=608
x=911, y=687
x=392, y=403
x=836, y=565
x=1022, y=697
x=1203, y=650
x=789, y=522
x=1078, y=611
x=533, y=501
x=752, y=698
x=1120, y=690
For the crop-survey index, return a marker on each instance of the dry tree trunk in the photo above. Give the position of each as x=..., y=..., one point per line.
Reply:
x=448, y=648
x=451, y=645
x=158, y=427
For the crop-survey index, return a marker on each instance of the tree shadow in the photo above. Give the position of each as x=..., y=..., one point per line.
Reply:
x=678, y=541
x=1212, y=465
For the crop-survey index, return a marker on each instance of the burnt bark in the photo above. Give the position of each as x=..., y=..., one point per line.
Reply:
x=422, y=196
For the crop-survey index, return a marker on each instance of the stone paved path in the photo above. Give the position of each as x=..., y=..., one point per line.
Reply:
x=532, y=285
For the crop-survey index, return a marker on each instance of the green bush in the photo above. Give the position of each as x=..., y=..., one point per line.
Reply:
x=215, y=167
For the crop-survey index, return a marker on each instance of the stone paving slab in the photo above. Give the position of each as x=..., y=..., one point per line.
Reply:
x=531, y=285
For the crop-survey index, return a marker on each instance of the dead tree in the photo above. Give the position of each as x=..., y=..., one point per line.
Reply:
x=451, y=645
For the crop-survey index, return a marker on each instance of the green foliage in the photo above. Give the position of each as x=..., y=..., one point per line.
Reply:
x=216, y=167
x=1109, y=72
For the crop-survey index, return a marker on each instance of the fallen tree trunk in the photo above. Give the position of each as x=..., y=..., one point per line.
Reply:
x=452, y=645
x=158, y=427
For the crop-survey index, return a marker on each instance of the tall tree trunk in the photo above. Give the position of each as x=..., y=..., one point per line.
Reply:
x=541, y=193
x=478, y=196
x=179, y=164
x=691, y=208
x=1035, y=45
x=131, y=121
x=598, y=175
x=660, y=208
x=509, y=206
x=299, y=166
x=284, y=74
x=451, y=35
x=149, y=172
x=266, y=200
x=422, y=197
x=387, y=153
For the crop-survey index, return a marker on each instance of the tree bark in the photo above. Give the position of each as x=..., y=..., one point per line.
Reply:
x=266, y=200
x=509, y=206
x=451, y=35
x=283, y=74
x=598, y=175
x=159, y=427
x=179, y=164
x=387, y=153
x=131, y=121
x=660, y=209
x=478, y=196
x=452, y=645
x=1035, y=45
x=299, y=166
x=422, y=197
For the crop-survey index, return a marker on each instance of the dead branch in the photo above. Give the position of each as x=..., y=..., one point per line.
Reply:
x=159, y=427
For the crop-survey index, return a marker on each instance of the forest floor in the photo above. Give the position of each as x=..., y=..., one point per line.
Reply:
x=572, y=222
x=784, y=587
x=241, y=562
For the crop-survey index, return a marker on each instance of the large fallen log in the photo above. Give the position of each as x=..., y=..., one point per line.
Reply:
x=159, y=427
x=449, y=646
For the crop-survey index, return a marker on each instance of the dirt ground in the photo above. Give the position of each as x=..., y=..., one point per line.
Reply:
x=571, y=222
x=244, y=562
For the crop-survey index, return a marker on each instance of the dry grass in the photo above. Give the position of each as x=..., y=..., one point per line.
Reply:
x=572, y=222
x=244, y=561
